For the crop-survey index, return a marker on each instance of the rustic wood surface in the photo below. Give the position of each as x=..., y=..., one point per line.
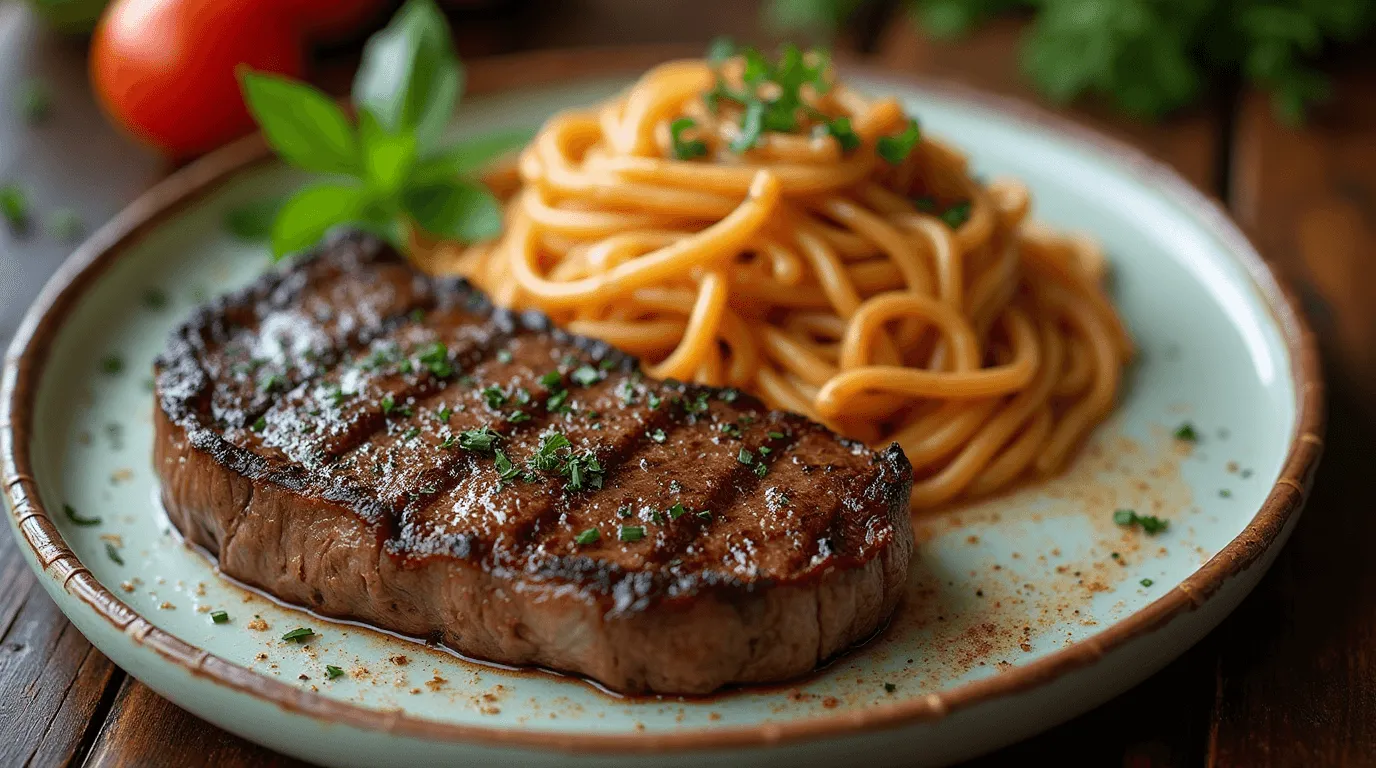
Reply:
x=1289, y=679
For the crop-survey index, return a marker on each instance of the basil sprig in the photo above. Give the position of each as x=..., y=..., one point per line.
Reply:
x=387, y=171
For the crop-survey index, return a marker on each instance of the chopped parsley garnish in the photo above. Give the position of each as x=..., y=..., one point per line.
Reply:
x=558, y=402
x=219, y=617
x=761, y=469
x=443, y=413
x=494, y=397
x=765, y=450
x=677, y=511
x=895, y=149
x=299, y=634
x=331, y=671
x=410, y=433
x=112, y=364
x=841, y=130
x=776, y=435
x=271, y=382
x=730, y=429
x=728, y=395
x=517, y=416
x=436, y=359
x=1224, y=493
x=1187, y=433
x=1146, y=582
x=631, y=532
x=503, y=356
x=448, y=442
x=388, y=404
x=506, y=471
x=589, y=536
x=113, y=553
x=585, y=376
x=745, y=457
x=772, y=96
x=546, y=456
x=956, y=216
x=583, y=471
x=552, y=381
x=705, y=515
x=698, y=404
x=481, y=440
x=685, y=149
x=653, y=401
x=1150, y=524
x=77, y=519
x=657, y=435
x=623, y=512
x=259, y=424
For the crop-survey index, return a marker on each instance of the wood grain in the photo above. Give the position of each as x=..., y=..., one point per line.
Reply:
x=52, y=680
x=145, y=730
x=1297, y=685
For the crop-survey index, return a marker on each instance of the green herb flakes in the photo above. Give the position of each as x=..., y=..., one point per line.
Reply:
x=657, y=435
x=895, y=149
x=299, y=635
x=677, y=511
x=219, y=617
x=113, y=553
x=1150, y=524
x=481, y=440
x=1187, y=433
x=259, y=424
x=77, y=519
x=631, y=532
x=332, y=672
x=1146, y=582
x=590, y=536
x=585, y=376
x=745, y=457
x=685, y=149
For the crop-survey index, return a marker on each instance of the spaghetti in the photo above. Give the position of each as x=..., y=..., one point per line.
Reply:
x=759, y=225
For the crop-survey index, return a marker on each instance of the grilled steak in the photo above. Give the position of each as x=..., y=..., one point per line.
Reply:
x=372, y=443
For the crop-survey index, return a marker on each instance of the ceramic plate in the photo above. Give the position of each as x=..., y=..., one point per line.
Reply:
x=1022, y=611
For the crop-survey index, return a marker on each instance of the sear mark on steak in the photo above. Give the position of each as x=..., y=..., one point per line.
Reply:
x=353, y=436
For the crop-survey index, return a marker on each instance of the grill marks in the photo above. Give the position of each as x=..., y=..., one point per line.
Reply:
x=329, y=365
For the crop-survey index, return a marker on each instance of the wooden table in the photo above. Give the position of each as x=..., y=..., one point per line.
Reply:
x=1289, y=679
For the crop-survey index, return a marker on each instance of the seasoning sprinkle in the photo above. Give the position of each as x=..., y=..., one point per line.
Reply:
x=1150, y=524
x=1147, y=582
x=1187, y=433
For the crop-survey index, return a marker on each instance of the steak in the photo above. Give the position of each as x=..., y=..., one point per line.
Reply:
x=372, y=443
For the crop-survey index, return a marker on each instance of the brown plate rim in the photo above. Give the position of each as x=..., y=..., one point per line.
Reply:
x=27, y=355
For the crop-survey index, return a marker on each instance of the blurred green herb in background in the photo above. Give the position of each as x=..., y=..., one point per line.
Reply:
x=1147, y=57
x=388, y=173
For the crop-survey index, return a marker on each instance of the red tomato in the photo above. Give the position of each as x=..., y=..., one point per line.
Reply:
x=164, y=69
x=332, y=20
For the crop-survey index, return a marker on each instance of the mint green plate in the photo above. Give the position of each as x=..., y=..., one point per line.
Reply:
x=1023, y=610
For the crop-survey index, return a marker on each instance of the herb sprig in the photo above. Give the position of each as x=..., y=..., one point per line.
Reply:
x=388, y=172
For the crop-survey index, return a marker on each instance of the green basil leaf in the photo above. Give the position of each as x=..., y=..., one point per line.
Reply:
x=302, y=125
x=460, y=209
x=387, y=157
x=312, y=212
x=253, y=220
x=467, y=158
x=409, y=77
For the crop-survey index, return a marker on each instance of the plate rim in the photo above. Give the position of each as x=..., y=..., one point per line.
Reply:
x=27, y=355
